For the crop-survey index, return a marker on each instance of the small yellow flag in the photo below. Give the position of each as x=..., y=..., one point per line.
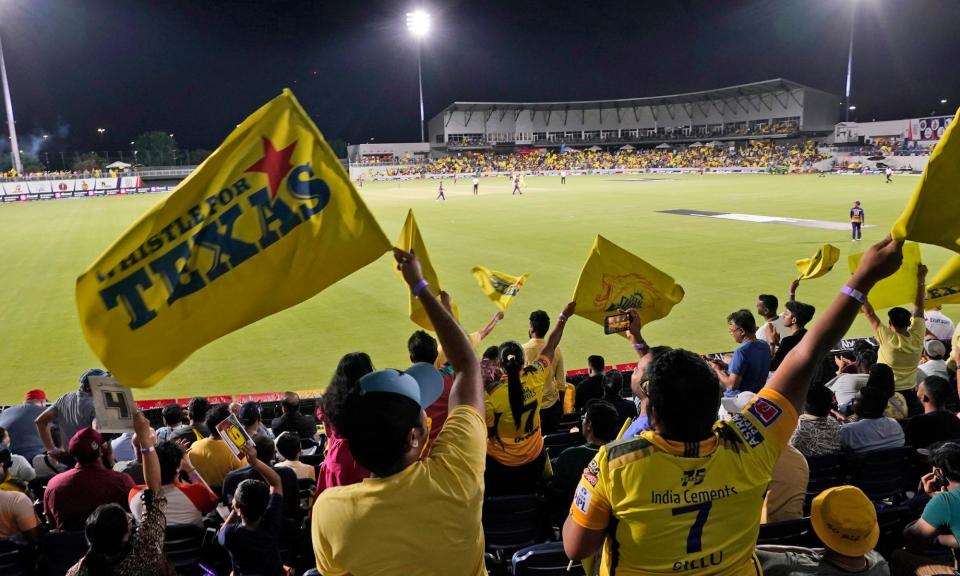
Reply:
x=945, y=286
x=901, y=287
x=267, y=221
x=933, y=214
x=498, y=286
x=613, y=279
x=821, y=263
x=410, y=239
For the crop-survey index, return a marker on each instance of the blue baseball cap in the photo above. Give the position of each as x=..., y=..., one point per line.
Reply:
x=421, y=383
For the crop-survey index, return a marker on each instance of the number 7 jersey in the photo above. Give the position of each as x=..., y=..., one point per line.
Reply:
x=686, y=508
x=510, y=442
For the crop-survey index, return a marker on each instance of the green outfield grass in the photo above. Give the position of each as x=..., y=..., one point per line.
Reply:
x=722, y=265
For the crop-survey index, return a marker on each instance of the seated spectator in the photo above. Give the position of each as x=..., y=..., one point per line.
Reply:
x=423, y=347
x=940, y=521
x=382, y=415
x=872, y=430
x=515, y=454
x=249, y=416
x=631, y=496
x=939, y=326
x=288, y=445
x=818, y=433
x=881, y=377
x=19, y=469
x=599, y=426
x=134, y=467
x=767, y=305
x=491, y=373
x=17, y=516
x=846, y=385
x=591, y=387
x=612, y=390
x=115, y=549
x=19, y=422
x=266, y=451
x=211, y=456
x=901, y=341
x=795, y=318
x=72, y=495
x=788, y=488
x=122, y=447
x=932, y=359
x=750, y=366
x=251, y=533
x=70, y=413
x=936, y=423
x=197, y=411
x=339, y=468
x=187, y=503
x=556, y=379
x=845, y=521
x=291, y=420
x=172, y=420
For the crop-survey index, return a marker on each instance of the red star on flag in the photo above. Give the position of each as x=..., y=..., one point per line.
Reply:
x=275, y=164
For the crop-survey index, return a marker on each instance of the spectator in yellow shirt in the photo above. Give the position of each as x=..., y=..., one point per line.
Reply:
x=901, y=341
x=211, y=456
x=551, y=410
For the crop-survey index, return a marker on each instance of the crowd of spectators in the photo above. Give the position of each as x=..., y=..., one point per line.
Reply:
x=393, y=471
x=756, y=154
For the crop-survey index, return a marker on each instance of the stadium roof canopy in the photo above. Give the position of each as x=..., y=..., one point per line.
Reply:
x=765, y=87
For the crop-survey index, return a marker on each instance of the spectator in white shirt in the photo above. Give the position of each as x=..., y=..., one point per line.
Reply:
x=873, y=430
x=767, y=305
x=288, y=445
x=187, y=503
x=938, y=324
x=846, y=386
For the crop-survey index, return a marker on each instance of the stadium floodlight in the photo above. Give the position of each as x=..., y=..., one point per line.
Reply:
x=851, y=107
x=943, y=100
x=853, y=19
x=101, y=130
x=418, y=23
x=14, y=148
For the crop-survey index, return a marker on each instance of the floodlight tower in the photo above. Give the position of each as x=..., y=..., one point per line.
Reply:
x=418, y=23
x=846, y=103
x=14, y=147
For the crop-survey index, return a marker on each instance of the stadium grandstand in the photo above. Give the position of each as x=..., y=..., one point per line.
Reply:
x=772, y=109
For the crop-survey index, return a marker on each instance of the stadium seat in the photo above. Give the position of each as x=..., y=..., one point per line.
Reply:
x=557, y=443
x=825, y=472
x=547, y=559
x=787, y=533
x=511, y=523
x=61, y=550
x=570, y=420
x=881, y=474
x=15, y=558
x=183, y=546
x=892, y=521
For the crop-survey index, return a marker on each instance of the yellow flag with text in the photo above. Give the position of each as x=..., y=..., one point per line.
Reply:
x=267, y=221
x=410, y=239
x=499, y=287
x=613, y=279
x=944, y=288
x=932, y=215
x=899, y=288
x=819, y=264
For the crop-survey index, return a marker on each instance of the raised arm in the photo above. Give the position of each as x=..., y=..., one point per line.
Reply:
x=633, y=333
x=147, y=441
x=467, y=384
x=871, y=315
x=793, y=289
x=554, y=339
x=266, y=472
x=43, y=422
x=921, y=291
x=486, y=330
x=793, y=377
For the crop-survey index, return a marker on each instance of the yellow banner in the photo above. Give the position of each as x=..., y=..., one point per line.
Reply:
x=901, y=287
x=933, y=214
x=945, y=286
x=410, y=239
x=499, y=287
x=613, y=279
x=818, y=265
x=267, y=221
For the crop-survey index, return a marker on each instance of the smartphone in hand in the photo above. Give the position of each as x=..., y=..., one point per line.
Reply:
x=616, y=323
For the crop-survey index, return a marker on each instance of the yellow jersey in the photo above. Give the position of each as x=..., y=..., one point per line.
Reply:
x=558, y=377
x=510, y=442
x=686, y=508
x=902, y=353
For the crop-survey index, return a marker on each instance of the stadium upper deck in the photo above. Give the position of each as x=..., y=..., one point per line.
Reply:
x=773, y=109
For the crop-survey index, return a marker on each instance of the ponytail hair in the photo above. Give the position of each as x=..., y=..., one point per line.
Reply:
x=512, y=362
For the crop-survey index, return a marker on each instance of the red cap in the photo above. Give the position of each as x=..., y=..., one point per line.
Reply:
x=85, y=443
x=36, y=394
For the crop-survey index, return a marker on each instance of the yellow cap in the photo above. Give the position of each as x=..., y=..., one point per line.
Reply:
x=845, y=520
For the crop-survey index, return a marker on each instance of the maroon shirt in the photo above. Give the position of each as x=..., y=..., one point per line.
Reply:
x=72, y=495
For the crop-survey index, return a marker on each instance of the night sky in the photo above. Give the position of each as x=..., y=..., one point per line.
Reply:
x=197, y=67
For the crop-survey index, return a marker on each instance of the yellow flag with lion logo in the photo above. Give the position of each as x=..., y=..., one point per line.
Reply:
x=267, y=221
x=613, y=279
x=499, y=287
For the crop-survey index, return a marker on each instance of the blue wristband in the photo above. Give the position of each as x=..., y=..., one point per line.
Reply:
x=416, y=290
